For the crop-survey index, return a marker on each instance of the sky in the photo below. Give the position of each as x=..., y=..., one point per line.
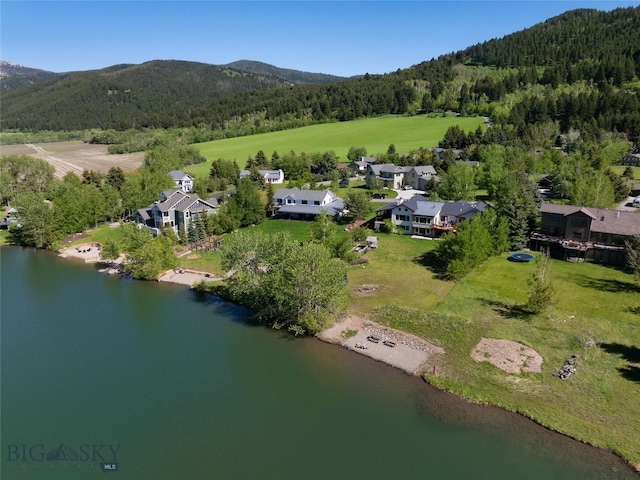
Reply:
x=343, y=38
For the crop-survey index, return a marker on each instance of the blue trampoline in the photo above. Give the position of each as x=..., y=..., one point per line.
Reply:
x=521, y=257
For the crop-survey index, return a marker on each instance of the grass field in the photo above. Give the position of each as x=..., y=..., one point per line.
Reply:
x=595, y=317
x=619, y=169
x=376, y=134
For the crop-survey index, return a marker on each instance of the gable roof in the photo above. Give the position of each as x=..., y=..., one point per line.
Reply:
x=179, y=175
x=461, y=208
x=267, y=174
x=420, y=205
x=424, y=170
x=615, y=222
x=332, y=208
x=303, y=194
x=178, y=200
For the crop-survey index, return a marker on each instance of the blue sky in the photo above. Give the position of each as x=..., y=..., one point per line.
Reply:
x=341, y=38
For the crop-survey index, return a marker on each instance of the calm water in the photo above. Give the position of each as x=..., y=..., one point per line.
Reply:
x=102, y=373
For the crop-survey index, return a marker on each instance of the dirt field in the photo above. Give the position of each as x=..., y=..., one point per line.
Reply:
x=76, y=156
x=512, y=357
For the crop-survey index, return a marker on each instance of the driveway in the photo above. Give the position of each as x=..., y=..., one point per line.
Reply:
x=406, y=194
x=627, y=205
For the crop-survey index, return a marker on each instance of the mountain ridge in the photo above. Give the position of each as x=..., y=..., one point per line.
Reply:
x=599, y=48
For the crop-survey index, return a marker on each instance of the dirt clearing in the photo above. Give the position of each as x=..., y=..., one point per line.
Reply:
x=76, y=156
x=512, y=357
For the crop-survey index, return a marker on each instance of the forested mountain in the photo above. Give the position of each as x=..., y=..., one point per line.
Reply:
x=119, y=94
x=293, y=76
x=13, y=75
x=578, y=70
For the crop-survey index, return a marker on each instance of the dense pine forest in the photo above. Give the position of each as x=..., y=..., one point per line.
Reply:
x=579, y=71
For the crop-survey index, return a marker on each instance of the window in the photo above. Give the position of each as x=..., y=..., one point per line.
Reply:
x=316, y=202
x=578, y=222
x=304, y=202
x=555, y=217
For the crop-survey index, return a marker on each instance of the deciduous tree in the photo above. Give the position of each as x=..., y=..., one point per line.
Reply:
x=358, y=204
x=288, y=284
x=541, y=292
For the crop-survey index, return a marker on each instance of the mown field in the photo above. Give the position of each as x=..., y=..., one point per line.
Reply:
x=376, y=134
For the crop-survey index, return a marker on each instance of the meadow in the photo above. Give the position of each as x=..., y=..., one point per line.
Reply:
x=595, y=317
x=375, y=134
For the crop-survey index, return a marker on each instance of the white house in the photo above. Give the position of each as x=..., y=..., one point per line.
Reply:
x=304, y=204
x=182, y=181
x=275, y=177
x=427, y=218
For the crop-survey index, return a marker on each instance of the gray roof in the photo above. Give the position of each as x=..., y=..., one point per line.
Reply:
x=303, y=194
x=461, y=208
x=389, y=206
x=391, y=168
x=420, y=205
x=267, y=174
x=425, y=169
x=616, y=222
x=178, y=200
x=178, y=175
x=144, y=214
x=333, y=208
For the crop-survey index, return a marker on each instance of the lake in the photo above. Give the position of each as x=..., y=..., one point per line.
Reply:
x=141, y=380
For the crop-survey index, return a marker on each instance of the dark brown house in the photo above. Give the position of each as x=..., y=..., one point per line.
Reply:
x=575, y=233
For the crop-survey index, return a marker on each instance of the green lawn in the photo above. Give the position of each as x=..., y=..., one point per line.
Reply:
x=595, y=317
x=376, y=134
x=395, y=270
x=619, y=169
x=203, y=262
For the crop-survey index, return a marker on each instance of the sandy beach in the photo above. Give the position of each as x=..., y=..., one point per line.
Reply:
x=409, y=353
x=186, y=277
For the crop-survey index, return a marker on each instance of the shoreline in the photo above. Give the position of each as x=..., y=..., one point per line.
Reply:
x=406, y=352
x=411, y=354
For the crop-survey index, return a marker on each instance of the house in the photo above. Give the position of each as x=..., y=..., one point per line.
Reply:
x=175, y=209
x=575, y=233
x=304, y=204
x=421, y=216
x=389, y=174
x=631, y=160
x=420, y=176
x=545, y=185
x=455, y=212
x=441, y=152
x=274, y=177
x=360, y=165
x=395, y=177
x=182, y=181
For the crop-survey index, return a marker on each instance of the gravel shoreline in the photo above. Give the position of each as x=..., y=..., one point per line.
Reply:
x=403, y=351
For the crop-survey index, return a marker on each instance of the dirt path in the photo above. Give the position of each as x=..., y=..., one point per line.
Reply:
x=62, y=167
x=76, y=156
